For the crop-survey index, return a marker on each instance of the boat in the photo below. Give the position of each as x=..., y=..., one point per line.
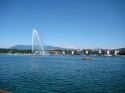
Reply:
x=87, y=58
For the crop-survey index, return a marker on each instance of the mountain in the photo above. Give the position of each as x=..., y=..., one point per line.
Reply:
x=26, y=47
x=21, y=47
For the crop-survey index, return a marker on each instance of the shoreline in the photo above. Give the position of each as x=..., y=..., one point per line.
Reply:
x=17, y=54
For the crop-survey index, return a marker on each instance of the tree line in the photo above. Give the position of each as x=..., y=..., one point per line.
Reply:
x=60, y=52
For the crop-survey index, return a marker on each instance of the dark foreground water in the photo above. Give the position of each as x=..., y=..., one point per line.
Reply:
x=62, y=74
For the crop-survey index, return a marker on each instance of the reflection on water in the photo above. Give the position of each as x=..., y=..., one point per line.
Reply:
x=62, y=74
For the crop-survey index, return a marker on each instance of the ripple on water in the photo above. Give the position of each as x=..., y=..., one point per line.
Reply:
x=62, y=74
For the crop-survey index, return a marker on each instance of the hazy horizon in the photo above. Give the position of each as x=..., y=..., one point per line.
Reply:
x=68, y=47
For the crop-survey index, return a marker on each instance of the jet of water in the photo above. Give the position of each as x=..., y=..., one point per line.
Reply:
x=37, y=46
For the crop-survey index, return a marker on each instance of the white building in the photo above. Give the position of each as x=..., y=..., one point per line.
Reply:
x=100, y=51
x=116, y=52
x=72, y=52
x=108, y=52
x=64, y=52
x=86, y=52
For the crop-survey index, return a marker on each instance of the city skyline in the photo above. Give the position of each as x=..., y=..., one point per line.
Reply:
x=63, y=23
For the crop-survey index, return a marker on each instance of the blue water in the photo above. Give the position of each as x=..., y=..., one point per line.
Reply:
x=62, y=74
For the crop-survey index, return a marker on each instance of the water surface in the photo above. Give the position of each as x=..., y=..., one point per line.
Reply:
x=62, y=74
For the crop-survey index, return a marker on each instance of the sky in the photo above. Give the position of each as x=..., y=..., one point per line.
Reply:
x=64, y=23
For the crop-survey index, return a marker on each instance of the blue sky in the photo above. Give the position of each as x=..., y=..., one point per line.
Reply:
x=66, y=23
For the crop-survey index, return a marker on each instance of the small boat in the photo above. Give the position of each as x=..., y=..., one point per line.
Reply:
x=87, y=58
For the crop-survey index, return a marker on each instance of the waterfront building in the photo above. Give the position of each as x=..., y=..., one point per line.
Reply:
x=108, y=52
x=72, y=52
x=63, y=52
x=100, y=51
x=116, y=52
x=86, y=52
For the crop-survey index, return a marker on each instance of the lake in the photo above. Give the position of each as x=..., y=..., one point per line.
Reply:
x=62, y=74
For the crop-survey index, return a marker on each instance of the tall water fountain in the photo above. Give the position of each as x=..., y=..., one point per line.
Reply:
x=37, y=46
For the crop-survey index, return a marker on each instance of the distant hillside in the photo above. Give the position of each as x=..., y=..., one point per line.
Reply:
x=21, y=47
x=123, y=49
x=26, y=47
